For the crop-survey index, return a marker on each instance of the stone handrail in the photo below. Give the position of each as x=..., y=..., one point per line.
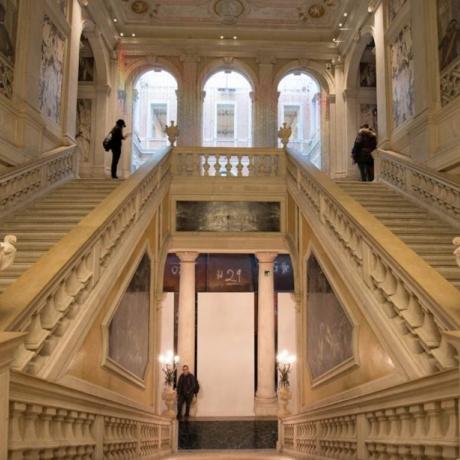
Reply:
x=232, y=162
x=407, y=296
x=48, y=297
x=53, y=421
x=438, y=192
x=418, y=419
x=30, y=180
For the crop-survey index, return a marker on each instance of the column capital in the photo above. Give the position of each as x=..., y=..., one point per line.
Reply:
x=266, y=257
x=187, y=256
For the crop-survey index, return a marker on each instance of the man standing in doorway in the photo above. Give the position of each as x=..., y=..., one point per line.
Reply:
x=365, y=144
x=187, y=387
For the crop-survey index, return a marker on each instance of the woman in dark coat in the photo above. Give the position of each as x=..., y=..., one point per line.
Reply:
x=365, y=144
x=115, y=145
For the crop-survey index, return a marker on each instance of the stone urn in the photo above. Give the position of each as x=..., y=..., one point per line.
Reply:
x=284, y=395
x=284, y=133
x=172, y=131
x=169, y=397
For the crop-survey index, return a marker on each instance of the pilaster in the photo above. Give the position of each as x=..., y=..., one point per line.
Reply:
x=9, y=341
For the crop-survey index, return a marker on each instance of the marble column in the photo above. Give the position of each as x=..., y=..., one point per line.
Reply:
x=265, y=401
x=186, y=329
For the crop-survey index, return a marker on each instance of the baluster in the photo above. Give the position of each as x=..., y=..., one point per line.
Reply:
x=419, y=416
x=206, y=165
x=239, y=165
x=17, y=411
x=228, y=165
x=433, y=412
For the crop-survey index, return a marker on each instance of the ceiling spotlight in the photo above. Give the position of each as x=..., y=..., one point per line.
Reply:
x=334, y=40
x=345, y=14
x=133, y=35
x=115, y=20
x=340, y=24
x=222, y=37
x=235, y=37
x=370, y=10
x=122, y=34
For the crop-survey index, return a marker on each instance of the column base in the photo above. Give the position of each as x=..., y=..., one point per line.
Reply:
x=265, y=406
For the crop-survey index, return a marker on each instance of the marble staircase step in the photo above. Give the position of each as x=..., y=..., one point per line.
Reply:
x=425, y=233
x=44, y=222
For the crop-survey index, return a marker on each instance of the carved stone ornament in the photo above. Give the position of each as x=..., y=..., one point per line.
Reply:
x=229, y=11
x=316, y=11
x=140, y=7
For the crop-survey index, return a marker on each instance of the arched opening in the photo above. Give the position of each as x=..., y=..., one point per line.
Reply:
x=368, y=86
x=154, y=106
x=299, y=106
x=227, y=110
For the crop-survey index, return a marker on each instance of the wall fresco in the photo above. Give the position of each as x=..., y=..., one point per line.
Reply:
x=51, y=71
x=402, y=74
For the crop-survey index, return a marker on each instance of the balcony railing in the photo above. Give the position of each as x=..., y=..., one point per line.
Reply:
x=27, y=182
x=228, y=162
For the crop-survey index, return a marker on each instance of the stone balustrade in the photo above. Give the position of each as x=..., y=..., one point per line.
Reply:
x=67, y=424
x=386, y=425
x=27, y=182
x=228, y=162
x=67, y=278
x=410, y=297
x=437, y=191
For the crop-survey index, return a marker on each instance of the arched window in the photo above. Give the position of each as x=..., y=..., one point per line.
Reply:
x=299, y=105
x=227, y=111
x=154, y=106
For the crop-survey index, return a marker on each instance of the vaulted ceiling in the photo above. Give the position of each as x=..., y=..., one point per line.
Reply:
x=312, y=20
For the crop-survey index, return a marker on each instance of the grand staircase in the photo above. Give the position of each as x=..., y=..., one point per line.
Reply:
x=45, y=221
x=425, y=233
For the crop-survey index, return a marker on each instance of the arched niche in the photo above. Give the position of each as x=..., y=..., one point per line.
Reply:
x=227, y=113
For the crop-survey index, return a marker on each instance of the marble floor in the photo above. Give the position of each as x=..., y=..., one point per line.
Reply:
x=230, y=455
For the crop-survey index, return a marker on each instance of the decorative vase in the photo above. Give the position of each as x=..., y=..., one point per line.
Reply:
x=284, y=395
x=169, y=397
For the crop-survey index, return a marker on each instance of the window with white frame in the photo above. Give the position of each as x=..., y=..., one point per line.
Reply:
x=227, y=110
x=225, y=121
x=158, y=119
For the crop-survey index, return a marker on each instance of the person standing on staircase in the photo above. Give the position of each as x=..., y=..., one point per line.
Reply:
x=187, y=387
x=115, y=145
x=365, y=144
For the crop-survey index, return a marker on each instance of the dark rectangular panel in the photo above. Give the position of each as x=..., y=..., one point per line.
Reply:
x=283, y=274
x=227, y=216
x=230, y=273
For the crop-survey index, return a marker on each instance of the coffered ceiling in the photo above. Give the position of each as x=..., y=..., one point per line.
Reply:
x=312, y=20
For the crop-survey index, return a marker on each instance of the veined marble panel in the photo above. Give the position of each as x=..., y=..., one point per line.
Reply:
x=402, y=74
x=51, y=71
x=83, y=131
x=329, y=329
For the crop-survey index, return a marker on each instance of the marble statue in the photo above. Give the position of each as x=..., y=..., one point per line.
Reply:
x=284, y=133
x=7, y=251
x=456, y=242
x=172, y=131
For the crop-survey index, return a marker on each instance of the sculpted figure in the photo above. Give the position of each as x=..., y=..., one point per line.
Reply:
x=7, y=251
x=456, y=242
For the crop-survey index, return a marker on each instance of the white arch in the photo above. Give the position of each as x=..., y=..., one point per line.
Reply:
x=234, y=65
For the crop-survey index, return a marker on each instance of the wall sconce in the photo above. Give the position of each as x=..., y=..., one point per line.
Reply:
x=168, y=365
x=285, y=360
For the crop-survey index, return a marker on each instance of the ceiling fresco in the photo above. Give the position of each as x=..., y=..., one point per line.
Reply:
x=257, y=14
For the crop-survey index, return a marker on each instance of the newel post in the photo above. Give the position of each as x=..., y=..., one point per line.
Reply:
x=9, y=342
